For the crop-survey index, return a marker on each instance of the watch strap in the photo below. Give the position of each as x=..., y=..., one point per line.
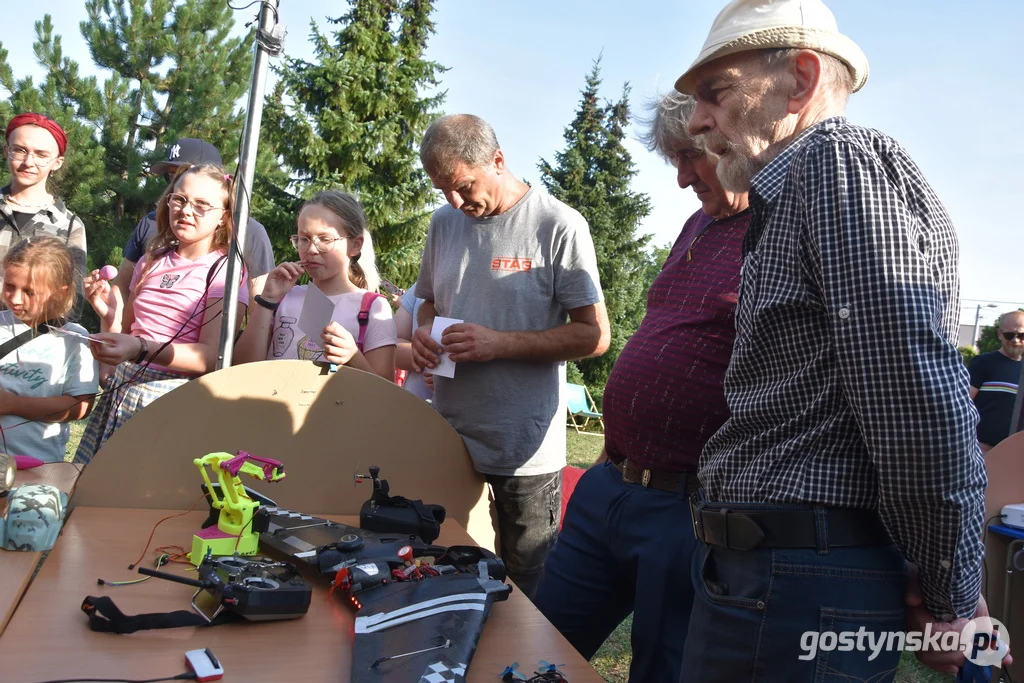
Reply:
x=269, y=305
x=143, y=351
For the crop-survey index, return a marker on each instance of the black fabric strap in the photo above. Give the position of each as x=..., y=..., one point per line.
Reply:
x=105, y=617
x=13, y=344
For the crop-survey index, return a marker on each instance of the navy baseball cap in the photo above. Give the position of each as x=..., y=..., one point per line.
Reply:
x=187, y=151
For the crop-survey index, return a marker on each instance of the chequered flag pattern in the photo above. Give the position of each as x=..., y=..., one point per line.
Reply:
x=440, y=672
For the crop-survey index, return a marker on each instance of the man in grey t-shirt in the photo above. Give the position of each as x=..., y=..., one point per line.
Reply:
x=519, y=268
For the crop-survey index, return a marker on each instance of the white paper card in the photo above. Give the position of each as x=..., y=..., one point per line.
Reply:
x=316, y=313
x=446, y=367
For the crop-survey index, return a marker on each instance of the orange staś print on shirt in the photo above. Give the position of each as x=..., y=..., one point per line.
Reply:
x=511, y=263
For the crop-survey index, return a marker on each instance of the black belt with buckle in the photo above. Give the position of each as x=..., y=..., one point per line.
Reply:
x=663, y=480
x=798, y=528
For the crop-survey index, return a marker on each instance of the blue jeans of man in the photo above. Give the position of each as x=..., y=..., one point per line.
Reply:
x=623, y=548
x=767, y=614
x=528, y=511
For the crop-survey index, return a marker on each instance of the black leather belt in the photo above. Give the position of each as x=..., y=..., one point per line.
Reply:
x=663, y=480
x=801, y=528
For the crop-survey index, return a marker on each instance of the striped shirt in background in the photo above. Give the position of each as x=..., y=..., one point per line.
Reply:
x=995, y=376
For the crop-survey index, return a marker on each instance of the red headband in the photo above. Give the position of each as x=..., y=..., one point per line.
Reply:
x=43, y=122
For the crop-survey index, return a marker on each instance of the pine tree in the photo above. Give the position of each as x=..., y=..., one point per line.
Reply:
x=593, y=175
x=63, y=95
x=353, y=120
x=175, y=72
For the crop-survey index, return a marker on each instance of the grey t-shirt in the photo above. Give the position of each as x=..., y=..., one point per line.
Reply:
x=521, y=270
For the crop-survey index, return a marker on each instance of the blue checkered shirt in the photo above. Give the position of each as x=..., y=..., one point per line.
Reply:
x=845, y=387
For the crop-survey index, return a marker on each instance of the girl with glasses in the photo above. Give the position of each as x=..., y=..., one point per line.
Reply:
x=162, y=335
x=34, y=149
x=336, y=251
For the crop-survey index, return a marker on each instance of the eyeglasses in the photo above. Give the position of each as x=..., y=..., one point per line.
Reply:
x=18, y=153
x=1010, y=336
x=199, y=208
x=323, y=243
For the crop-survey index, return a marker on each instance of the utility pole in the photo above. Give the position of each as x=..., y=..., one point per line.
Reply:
x=267, y=44
x=977, y=323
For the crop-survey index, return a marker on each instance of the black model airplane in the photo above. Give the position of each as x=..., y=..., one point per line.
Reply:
x=415, y=622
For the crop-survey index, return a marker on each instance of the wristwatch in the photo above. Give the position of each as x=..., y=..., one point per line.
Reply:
x=143, y=351
x=269, y=305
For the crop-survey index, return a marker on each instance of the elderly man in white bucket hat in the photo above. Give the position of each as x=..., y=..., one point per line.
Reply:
x=851, y=445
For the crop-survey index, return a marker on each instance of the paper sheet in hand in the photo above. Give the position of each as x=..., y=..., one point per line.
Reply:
x=446, y=367
x=76, y=335
x=316, y=313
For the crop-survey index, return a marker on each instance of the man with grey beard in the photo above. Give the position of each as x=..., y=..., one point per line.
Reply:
x=851, y=446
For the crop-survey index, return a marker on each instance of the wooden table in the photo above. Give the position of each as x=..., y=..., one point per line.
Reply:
x=49, y=638
x=16, y=567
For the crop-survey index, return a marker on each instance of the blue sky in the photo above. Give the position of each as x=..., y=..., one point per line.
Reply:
x=944, y=82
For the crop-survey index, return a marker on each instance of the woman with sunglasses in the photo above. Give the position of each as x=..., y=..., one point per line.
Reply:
x=336, y=251
x=162, y=336
x=994, y=379
x=34, y=149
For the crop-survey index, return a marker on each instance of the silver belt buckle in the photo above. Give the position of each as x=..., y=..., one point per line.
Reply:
x=645, y=478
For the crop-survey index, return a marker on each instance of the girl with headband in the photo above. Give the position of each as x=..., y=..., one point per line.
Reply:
x=34, y=148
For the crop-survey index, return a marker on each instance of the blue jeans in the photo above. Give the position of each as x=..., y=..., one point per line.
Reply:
x=623, y=548
x=753, y=608
x=528, y=510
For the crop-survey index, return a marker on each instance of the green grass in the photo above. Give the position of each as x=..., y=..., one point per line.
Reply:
x=581, y=450
x=77, y=429
x=612, y=660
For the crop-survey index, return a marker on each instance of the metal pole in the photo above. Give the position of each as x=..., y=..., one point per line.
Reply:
x=246, y=171
x=977, y=319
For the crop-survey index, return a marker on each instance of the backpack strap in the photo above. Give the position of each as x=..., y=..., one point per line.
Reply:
x=13, y=344
x=364, y=316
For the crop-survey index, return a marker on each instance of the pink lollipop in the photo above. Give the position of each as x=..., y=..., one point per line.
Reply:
x=108, y=273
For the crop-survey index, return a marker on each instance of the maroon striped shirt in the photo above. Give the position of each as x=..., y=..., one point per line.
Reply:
x=664, y=398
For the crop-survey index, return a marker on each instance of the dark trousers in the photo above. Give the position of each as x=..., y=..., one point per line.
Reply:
x=528, y=510
x=623, y=548
x=757, y=613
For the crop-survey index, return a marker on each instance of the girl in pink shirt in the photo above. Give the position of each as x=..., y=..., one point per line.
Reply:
x=336, y=251
x=162, y=335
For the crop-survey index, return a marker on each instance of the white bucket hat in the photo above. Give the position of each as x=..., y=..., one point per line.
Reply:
x=757, y=24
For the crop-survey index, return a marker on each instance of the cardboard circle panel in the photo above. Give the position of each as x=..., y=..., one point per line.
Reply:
x=324, y=428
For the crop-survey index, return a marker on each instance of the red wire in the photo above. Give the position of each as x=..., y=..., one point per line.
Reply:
x=150, y=539
x=174, y=553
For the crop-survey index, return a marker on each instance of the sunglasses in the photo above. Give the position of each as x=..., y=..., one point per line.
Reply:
x=1010, y=336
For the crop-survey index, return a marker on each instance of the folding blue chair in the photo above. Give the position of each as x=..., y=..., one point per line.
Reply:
x=580, y=404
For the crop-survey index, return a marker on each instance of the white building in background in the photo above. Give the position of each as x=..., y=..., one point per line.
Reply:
x=964, y=337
